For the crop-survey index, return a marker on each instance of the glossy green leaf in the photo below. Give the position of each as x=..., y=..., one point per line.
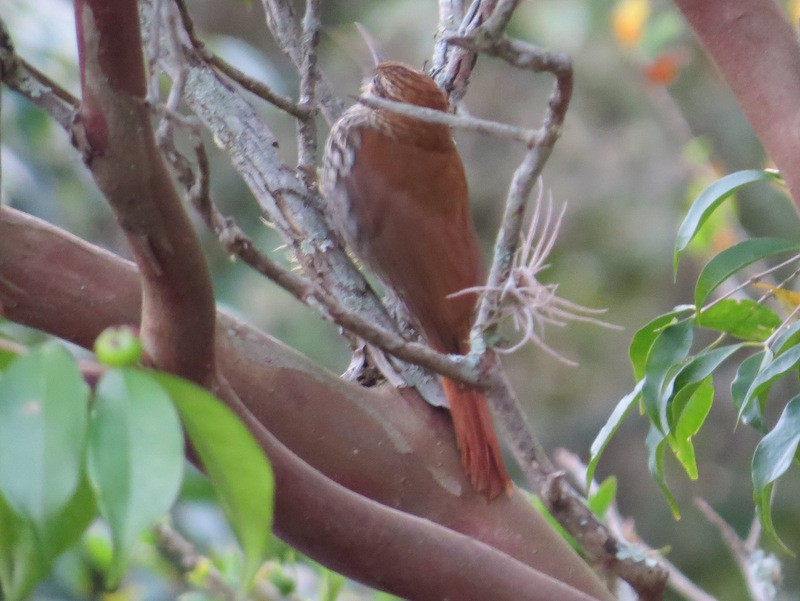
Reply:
x=655, y=443
x=643, y=339
x=735, y=258
x=709, y=199
x=786, y=338
x=776, y=451
x=43, y=414
x=768, y=373
x=233, y=461
x=744, y=319
x=694, y=411
x=25, y=556
x=704, y=364
x=135, y=457
x=606, y=433
x=763, y=503
x=747, y=372
x=603, y=497
x=692, y=374
x=66, y=528
x=669, y=351
x=773, y=457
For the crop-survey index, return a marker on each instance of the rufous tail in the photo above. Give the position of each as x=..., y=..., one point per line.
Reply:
x=477, y=439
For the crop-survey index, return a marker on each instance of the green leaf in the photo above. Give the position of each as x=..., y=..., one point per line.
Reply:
x=776, y=451
x=643, y=339
x=25, y=557
x=21, y=562
x=747, y=372
x=655, y=443
x=689, y=378
x=744, y=319
x=135, y=457
x=332, y=584
x=606, y=433
x=709, y=199
x=669, y=350
x=554, y=523
x=763, y=502
x=233, y=461
x=735, y=258
x=772, y=457
x=696, y=406
x=6, y=357
x=602, y=499
x=703, y=365
x=43, y=414
x=66, y=528
x=768, y=373
x=786, y=339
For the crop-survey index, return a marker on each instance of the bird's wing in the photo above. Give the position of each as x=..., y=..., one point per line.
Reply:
x=415, y=231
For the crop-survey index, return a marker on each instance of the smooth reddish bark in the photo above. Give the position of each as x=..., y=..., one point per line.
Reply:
x=392, y=448
x=756, y=51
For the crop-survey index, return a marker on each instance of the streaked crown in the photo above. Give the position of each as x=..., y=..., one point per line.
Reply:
x=399, y=82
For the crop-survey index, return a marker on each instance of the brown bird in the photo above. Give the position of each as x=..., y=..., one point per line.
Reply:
x=398, y=193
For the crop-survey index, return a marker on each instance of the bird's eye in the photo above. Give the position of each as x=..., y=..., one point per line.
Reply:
x=377, y=86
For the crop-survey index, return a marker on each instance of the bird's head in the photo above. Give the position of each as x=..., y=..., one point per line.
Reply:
x=395, y=81
x=401, y=83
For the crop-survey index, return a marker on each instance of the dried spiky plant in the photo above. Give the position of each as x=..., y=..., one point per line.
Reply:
x=530, y=304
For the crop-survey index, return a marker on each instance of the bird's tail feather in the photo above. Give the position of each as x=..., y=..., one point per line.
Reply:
x=477, y=439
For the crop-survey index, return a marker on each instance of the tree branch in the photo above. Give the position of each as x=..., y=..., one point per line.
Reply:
x=283, y=23
x=624, y=530
x=113, y=132
x=248, y=83
x=294, y=210
x=756, y=51
x=761, y=571
x=288, y=204
x=309, y=74
x=452, y=65
x=34, y=85
x=399, y=457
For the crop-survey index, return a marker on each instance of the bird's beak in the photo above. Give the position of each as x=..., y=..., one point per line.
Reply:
x=378, y=54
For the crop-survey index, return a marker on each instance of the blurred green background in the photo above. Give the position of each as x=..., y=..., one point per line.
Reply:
x=650, y=124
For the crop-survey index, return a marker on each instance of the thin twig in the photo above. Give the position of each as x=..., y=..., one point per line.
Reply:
x=529, y=304
x=183, y=555
x=524, y=56
x=751, y=280
x=623, y=529
x=496, y=23
x=307, y=126
x=34, y=85
x=451, y=15
x=528, y=137
x=282, y=22
x=453, y=65
x=250, y=84
x=761, y=570
x=602, y=547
